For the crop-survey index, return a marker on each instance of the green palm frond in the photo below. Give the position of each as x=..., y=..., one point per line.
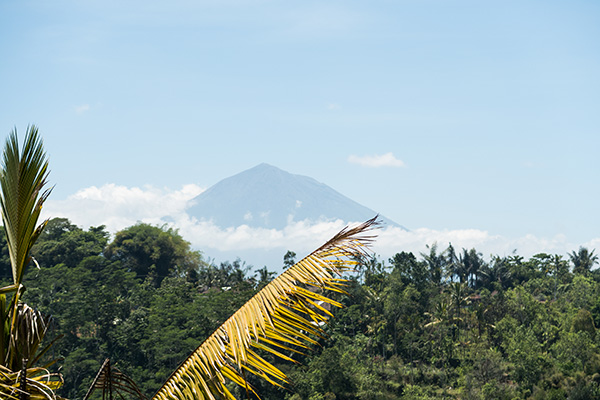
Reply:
x=22, y=178
x=286, y=315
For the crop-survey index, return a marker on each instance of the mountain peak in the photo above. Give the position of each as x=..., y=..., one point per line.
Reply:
x=268, y=197
x=265, y=166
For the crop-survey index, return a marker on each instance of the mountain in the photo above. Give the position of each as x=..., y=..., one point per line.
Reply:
x=268, y=197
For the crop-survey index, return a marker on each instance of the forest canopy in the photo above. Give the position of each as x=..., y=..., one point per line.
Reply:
x=448, y=323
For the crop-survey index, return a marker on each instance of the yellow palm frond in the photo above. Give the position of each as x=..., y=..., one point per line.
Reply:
x=37, y=383
x=285, y=315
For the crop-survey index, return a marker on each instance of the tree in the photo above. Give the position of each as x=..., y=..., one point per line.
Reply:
x=498, y=273
x=410, y=270
x=264, y=276
x=452, y=264
x=289, y=259
x=435, y=262
x=441, y=321
x=458, y=294
x=471, y=266
x=64, y=243
x=583, y=260
x=22, y=329
x=151, y=251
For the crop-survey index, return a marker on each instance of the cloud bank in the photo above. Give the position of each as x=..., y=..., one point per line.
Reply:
x=118, y=207
x=384, y=160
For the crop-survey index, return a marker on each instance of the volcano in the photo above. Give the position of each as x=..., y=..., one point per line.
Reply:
x=268, y=197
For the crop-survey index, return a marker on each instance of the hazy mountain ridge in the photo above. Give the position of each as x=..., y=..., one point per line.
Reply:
x=268, y=197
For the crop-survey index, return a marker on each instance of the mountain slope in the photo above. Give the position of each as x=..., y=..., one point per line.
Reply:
x=268, y=197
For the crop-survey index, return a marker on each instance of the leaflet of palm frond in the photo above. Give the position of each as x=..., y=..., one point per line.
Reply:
x=22, y=178
x=281, y=316
x=4, y=329
x=40, y=384
x=112, y=381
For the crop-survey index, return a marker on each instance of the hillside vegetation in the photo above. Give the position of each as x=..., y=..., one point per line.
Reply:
x=450, y=323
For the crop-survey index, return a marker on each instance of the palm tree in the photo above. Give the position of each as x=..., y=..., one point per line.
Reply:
x=471, y=266
x=23, y=176
x=442, y=319
x=498, y=271
x=452, y=263
x=435, y=263
x=583, y=260
x=458, y=294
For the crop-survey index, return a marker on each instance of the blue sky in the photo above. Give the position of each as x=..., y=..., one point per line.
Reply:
x=490, y=110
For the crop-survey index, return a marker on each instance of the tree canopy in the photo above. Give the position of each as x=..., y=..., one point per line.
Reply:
x=518, y=328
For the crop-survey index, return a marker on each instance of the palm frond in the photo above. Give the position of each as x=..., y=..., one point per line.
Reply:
x=24, y=341
x=113, y=382
x=285, y=315
x=22, y=178
x=36, y=383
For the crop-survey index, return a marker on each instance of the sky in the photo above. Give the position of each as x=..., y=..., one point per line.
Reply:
x=476, y=123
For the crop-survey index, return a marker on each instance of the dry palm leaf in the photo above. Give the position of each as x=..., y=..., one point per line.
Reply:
x=285, y=315
x=39, y=384
x=114, y=383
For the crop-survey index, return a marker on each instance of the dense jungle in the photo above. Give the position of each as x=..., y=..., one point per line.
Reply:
x=445, y=324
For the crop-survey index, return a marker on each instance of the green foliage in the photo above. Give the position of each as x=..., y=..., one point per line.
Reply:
x=289, y=259
x=64, y=243
x=5, y=269
x=407, y=270
x=583, y=261
x=23, y=329
x=525, y=353
x=513, y=329
x=151, y=251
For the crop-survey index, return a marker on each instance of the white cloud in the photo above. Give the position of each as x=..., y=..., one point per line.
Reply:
x=334, y=106
x=118, y=207
x=302, y=236
x=384, y=160
x=82, y=108
x=394, y=240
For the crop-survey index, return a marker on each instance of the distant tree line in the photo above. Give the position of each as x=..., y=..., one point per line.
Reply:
x=445, y=324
